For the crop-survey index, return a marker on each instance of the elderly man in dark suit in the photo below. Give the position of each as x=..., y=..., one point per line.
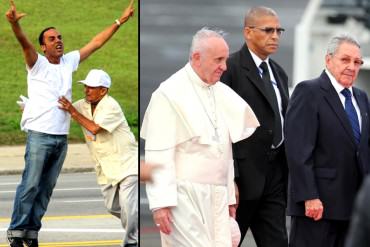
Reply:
x=260, y=163
x=327, y=148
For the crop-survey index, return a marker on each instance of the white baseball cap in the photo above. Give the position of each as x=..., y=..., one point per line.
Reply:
x=97, y=78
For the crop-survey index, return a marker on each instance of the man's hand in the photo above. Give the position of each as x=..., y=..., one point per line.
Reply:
x=29, y=51
x=232, y=210
x=88, y=124
x=127, y=13
x=12, y=15
x=22, y=102
x=314, y=209
x=101, y=38
x=163, y=219
x=234, y=207
x=146, y=171
x=64, y=104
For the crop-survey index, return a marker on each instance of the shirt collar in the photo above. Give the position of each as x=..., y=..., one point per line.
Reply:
x=258, y=60
x=194, y=77
x=337, y=86
x=101, y=102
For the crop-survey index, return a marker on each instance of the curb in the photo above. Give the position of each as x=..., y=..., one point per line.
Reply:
x=64, y=170
x=78, y=159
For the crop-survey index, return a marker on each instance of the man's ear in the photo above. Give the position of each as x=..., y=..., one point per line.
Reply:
x=195, y=57
x=246, y=33
x=104, y=91
x=328, y=62
x=43, y=48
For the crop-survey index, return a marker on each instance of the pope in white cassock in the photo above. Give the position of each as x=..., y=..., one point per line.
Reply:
x=188, y=128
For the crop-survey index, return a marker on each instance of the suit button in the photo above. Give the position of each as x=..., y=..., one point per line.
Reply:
x=269, y=131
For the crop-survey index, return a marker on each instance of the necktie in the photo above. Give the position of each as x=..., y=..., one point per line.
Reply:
x=352, y=114
x=272, y=95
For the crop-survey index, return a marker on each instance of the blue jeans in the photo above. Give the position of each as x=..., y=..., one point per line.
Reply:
x=44, y=158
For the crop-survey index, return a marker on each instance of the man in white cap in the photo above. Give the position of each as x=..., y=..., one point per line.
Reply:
x=113, y=148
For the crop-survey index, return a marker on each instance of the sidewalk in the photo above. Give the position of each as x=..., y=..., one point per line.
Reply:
x=78, y=159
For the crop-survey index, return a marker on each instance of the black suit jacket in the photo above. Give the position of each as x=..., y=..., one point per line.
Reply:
x=324, y=161
x=251, y=155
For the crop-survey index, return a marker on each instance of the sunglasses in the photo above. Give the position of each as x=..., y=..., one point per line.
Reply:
x=270, y=30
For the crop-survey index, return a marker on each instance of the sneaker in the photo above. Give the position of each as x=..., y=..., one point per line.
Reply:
x=31, y=242
x=15, y=242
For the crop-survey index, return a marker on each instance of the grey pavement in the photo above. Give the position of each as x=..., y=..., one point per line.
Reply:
x=78, y=159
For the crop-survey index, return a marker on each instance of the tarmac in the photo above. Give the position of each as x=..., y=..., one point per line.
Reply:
x=78, y=159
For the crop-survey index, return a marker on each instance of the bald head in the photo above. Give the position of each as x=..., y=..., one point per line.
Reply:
x=255, y=13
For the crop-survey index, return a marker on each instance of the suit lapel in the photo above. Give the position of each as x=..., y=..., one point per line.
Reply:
x=332, y=98
x=253, y=74
x=362, y=104
x=283, y=94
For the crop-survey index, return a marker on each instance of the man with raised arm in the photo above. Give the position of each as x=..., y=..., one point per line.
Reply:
x=49, y=78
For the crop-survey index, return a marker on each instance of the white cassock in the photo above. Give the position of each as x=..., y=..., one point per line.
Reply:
x=188, y=128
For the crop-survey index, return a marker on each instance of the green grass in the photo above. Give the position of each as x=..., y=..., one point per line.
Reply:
x=78, y=21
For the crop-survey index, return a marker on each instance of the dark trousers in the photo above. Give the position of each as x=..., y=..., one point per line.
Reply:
x=266, y=217
x=306, y=232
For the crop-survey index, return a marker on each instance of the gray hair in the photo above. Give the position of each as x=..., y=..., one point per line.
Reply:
x=199, y=39
x=255, y=13
x=337, y=40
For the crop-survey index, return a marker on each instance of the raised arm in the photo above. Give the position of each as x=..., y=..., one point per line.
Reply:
x=29, y=51
x=100, y=39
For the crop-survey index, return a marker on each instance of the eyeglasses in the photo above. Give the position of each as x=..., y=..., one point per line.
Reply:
x=348, y=60
x=270, y=30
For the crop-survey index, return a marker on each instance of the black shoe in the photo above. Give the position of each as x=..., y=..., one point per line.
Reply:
x=31, y=242
x=15, y=242
x=130, y=245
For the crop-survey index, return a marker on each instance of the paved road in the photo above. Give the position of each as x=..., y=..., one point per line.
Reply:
x=149, y=235
x=166, y=28
x=76, y=215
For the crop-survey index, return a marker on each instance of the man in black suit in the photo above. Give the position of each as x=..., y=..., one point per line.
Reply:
x=327, y=148
x=260, y=163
